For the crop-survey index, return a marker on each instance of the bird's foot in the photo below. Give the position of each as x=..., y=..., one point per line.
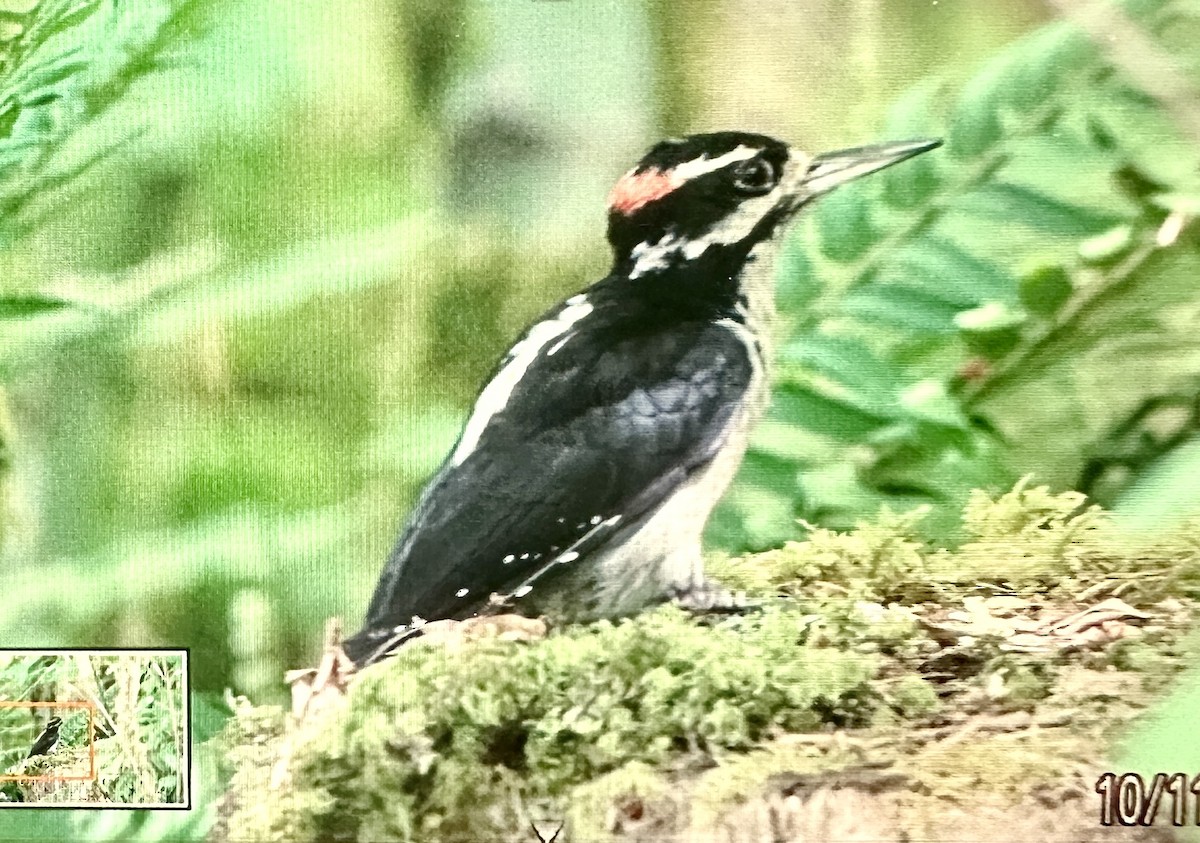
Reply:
x=711, y=598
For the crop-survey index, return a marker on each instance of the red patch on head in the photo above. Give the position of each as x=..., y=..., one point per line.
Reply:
x=635, y=190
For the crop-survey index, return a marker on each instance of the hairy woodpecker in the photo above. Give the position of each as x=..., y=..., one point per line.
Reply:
x=585, y=474
x=47, y=741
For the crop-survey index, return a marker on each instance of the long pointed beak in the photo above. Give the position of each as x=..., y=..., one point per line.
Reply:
x=831, y=169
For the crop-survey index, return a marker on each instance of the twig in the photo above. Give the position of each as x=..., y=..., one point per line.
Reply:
x=1016, y=362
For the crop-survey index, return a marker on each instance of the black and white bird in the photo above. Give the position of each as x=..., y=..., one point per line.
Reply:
x=47, y=741
x=583, y=479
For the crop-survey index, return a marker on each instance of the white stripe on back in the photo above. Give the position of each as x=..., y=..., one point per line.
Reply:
x=496, y=394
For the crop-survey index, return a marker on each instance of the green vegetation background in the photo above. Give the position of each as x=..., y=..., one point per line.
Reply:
x=257, y=257
x=333, y=221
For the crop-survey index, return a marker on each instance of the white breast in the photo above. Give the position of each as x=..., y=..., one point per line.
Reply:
x=663, y=553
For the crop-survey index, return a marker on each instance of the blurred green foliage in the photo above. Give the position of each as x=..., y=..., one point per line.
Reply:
x=260, y=259
x=1010, y=306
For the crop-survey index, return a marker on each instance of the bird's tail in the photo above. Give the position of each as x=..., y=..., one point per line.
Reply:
x=370, y=645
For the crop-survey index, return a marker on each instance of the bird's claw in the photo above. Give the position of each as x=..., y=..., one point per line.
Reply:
x=712, y=598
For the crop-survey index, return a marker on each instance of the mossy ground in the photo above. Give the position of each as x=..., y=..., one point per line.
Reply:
x=929, y=683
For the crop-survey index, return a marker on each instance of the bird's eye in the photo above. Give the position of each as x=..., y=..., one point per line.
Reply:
x=755, y=177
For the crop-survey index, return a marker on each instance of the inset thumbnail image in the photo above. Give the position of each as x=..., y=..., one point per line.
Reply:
x=93, y=728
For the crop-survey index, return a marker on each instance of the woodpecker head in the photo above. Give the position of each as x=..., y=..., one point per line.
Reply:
x=714, y=197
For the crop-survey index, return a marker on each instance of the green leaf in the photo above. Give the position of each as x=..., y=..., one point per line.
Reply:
x=1144, y=132
x=1074, y=175
x=1183, y=203
x=1130, y=340
x=1045, y=289
x=1042, y=61
x=904, y=306
x=798, y=285
x=945, y=270
x=760, y=511
x=56, y=25
x=1011, y=204
x=929, y=401
x=1108, y=247
x=822, y=413
x=975, y=124
x=912, y=116
x=843, y=220
x=209, y=713
x=1165, y=495
x=22, y=307
x=869, y=381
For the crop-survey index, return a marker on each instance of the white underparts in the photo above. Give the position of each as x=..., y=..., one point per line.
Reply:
x=496, y=394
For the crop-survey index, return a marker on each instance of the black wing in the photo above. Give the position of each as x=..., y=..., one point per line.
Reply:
x=609, y=417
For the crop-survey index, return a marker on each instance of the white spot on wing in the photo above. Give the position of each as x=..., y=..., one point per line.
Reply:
x=522, y=591
x=462, y=592
x=495, y=395
x=569, y=556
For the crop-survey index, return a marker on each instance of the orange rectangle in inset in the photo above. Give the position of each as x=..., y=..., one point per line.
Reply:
x=91, y=710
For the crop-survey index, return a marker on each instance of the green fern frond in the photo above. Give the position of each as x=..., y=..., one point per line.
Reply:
x=976, y=278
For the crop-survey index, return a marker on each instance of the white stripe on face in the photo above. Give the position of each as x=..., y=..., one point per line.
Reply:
x=735, y=227
x=689, y=170
x=495, y=395
x=651, y=257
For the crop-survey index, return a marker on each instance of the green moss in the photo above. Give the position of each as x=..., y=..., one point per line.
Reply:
x=473, y=742
x=455, y=739
x=873, y=562
x=913, y=698
x=1027, y=540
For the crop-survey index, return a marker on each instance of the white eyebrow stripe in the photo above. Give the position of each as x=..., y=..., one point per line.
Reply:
x=699, y=166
